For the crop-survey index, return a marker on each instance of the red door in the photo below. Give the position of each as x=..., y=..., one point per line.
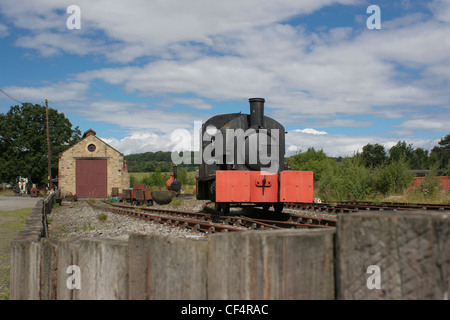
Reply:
x=91, y=178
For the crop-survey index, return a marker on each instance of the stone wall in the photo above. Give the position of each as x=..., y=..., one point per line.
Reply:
x=117, y=176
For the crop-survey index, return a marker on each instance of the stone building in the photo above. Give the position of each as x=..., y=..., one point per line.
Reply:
x=92, y=168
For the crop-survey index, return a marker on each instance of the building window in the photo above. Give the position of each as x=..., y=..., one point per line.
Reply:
x=92, y=147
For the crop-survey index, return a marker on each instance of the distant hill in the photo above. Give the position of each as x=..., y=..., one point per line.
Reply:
x=149, y=161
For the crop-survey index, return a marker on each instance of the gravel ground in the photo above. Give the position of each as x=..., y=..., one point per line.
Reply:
x=80, y=220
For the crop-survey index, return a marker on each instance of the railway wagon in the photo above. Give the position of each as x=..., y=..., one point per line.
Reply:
x=144, y=196
x=242, y=162
x=137, y=195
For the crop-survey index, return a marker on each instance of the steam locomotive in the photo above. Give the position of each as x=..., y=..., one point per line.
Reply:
x=242, y=162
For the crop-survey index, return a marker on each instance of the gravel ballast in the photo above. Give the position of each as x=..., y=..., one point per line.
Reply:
x=80, y=220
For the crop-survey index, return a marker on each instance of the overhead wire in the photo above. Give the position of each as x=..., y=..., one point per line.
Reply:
x=9, y=96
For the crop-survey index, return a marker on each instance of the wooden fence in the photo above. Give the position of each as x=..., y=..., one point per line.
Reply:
x=386, y=255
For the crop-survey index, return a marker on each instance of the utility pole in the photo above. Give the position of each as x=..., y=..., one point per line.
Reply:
x=50, y=186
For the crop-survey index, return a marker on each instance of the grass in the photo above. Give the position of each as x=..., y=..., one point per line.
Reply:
x=416, y=197
x=7, y=192
x=139, y=176
x=102, y=217
x=88, y=226
x=176, y=202
x=11, y=222
x=405, y=197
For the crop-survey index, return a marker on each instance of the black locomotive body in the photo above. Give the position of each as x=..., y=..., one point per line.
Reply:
x=243, y=161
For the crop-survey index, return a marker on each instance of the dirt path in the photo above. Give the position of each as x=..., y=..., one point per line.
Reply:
x=9, y=203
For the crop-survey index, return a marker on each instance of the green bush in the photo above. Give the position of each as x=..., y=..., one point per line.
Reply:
x=346, y=180
x=351, y=179
x=393, y=177
x=430, y=185
x=133, y=180
x=310, y=160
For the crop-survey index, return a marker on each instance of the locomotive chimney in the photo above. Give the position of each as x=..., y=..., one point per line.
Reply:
x=175, y=172
x=256, y=112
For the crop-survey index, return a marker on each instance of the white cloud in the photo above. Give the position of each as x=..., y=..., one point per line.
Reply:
x=3, y=30
x=310, y=131
x=52, y=43
x=193, y=102
x=441, y=124
x=302, y=73
x=139, y=27
x=333, y=145
x=233, y=50
x=34, y=15
x=141, y=142
x=441, y=10
x=57, y=92
x=131, y=116
x=344, y=145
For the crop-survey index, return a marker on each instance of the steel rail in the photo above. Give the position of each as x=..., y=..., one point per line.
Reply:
x=171, y=219
x=210, y=223
x=227, y=220
x=354, y=206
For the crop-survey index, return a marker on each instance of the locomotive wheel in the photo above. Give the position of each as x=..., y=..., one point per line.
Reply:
x=217, y=208
x=222, y=208
x=278, y=207
x=212, y=191
x=226, y=208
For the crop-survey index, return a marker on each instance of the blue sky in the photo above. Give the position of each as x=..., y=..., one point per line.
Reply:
x=137, y=71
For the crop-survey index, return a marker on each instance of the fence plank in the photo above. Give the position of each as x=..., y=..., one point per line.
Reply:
x=404, y=246
x=271, y=265
x=167, y=268
x=103, y=266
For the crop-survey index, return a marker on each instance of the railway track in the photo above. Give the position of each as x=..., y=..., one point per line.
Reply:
x=357, y=206
x=174, y=218
x=210, y=223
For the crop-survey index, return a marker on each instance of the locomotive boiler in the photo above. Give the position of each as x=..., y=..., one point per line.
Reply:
x=242, y=162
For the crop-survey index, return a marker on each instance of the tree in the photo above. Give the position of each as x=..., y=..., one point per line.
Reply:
x=440, y=156
x=311, y=160
x=400, y=151
x=373, y=155
x=23, y=142
x=393, y=177
x=419, y=159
